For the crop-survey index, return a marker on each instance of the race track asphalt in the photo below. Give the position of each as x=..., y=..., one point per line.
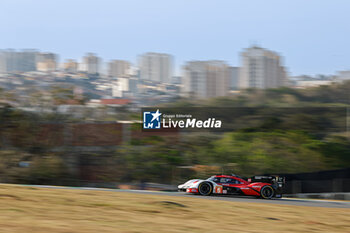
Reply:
x=282, y=201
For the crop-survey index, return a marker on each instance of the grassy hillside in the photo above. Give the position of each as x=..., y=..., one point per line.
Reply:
x=27, y=209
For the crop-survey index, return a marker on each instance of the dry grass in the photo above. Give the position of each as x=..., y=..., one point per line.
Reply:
x=27, y=209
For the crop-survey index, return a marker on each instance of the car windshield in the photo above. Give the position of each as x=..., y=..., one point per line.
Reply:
x=224, y=180
x=221, y=179
x=214, y=179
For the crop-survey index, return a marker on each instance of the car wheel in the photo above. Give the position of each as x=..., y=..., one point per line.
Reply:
x=205, y=188
x=267, y=192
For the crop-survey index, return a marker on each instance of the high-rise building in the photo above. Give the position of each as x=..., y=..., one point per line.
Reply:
x=7, y=60
x=233, y=76
x=40, y=57
x=124, y=87
x=46, y=66
x=21, y=61
x=157, y=67
x=261, y=68
x=46, y=62
x=206, y=79
x=91, y=64
x=118, y=68
x=344, y=75
x=26, y=59
x=70, y=65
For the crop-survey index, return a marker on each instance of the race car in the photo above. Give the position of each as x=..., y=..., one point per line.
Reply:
x=266, y=187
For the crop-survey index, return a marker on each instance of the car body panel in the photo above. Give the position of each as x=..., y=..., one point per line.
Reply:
x=230, y=184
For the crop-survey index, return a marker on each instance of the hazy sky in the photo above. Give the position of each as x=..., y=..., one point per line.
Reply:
x=312, y=35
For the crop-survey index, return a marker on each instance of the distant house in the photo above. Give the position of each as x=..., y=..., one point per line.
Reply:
x=115, y=102
x=111, y=103
x=68, y=102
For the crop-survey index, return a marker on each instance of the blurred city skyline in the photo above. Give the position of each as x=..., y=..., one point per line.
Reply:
x=311, y=35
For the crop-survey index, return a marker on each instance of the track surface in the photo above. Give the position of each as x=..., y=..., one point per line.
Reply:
x=283, y=201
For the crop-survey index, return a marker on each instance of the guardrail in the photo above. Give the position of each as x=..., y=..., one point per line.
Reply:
x=329, y=196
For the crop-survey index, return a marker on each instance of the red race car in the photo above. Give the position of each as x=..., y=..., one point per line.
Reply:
x=266, y=187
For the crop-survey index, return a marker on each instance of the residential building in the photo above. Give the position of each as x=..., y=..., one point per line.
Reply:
x=156, y=67
x=46, y=62
x=206, y=79
x=118, y=68
x=41, y=57
x=344, y=75
x=46, y=66
x=312, y=83
x=124, y=87
x=91, y=63
x=233, y=77
x=70, y=66
x=261, y=68
x=176, y=80
x=17, y=61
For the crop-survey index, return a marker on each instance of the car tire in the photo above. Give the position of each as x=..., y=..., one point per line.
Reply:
x=267, y=192
x=205, y=188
